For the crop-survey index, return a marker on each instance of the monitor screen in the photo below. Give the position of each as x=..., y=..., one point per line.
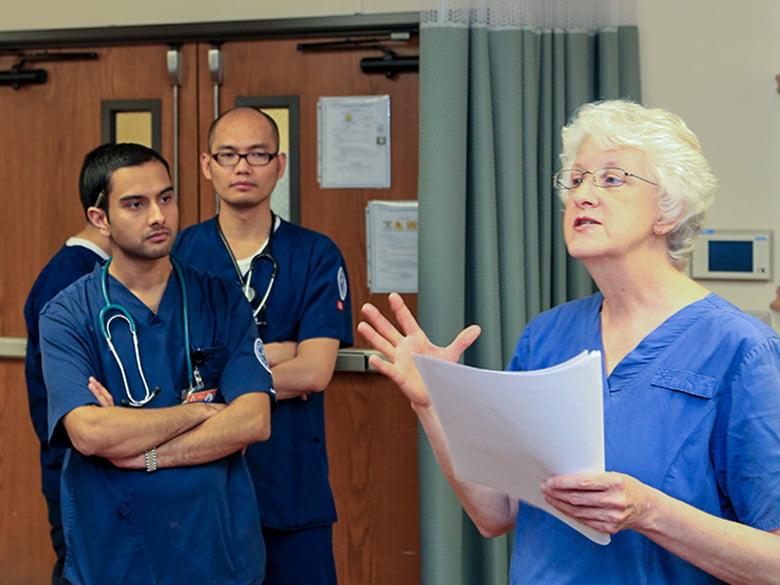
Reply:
x=730, y=256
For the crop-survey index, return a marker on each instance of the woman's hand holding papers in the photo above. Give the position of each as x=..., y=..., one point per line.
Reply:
x=607, y=502
x=399, y=346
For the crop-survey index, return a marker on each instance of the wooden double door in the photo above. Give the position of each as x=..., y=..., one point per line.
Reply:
x=45, y=130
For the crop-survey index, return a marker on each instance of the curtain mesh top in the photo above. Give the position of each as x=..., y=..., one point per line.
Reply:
x=583, y=14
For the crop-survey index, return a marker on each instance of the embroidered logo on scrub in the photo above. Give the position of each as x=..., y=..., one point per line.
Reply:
x=341, y=278
x=260, y=355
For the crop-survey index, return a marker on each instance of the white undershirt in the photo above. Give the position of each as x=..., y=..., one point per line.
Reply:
x=87, y=244
x=245, y=263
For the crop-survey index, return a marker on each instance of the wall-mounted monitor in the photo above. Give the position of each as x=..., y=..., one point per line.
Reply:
x=733, y=255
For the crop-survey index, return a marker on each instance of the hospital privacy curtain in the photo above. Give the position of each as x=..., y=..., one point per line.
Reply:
x=494, y=94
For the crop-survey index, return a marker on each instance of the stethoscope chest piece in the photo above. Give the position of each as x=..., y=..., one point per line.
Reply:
x=258, y=309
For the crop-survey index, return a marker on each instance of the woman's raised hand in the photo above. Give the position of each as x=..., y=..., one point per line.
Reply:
x=399, y=346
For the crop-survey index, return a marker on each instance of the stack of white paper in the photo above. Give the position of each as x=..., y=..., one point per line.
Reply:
x=513, y=430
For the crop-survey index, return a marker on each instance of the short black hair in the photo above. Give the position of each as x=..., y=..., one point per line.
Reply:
x=100, y=165
x=215, y=123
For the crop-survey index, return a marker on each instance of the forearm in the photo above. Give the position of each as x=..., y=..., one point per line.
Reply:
x=280, y=351
x=492, y=511
x=246, y=420
x=117, y=432
x=310, y=370
x=730, y=551
x=297, y=380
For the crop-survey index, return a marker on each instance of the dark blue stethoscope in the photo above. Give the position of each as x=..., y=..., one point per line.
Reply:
x=258, y=309
x=121, y=313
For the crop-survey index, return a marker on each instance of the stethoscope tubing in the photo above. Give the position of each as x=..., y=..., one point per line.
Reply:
x=246, y=280
x=266, y=254
x=123, y=314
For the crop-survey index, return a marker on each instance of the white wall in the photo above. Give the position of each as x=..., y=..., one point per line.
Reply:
x=711, y=61
x=714, y=62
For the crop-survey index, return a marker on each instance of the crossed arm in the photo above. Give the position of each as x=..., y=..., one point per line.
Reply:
x=301, y=368
x=608, y=502
x=186, y=434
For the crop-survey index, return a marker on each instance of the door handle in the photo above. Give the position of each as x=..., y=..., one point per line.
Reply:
x=355, y=360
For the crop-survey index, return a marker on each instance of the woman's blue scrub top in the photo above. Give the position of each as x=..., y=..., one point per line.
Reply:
x=693, y=410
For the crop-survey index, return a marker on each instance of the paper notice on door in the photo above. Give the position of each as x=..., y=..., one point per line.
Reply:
x=353, y=142
x=513, y=430
x=391, y=246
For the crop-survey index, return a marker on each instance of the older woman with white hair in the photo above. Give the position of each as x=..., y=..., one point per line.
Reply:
x=691, y=383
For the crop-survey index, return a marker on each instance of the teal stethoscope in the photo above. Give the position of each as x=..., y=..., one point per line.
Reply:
x=121, y=313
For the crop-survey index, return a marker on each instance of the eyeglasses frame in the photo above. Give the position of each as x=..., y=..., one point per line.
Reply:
x=244, y=156
x=592, y=174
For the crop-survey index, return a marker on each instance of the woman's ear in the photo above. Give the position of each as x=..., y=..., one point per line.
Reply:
x=663, y=226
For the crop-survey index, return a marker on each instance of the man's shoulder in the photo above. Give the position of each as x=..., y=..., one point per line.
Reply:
x=68, y=265
x=208, y=283
x=75, y=253
x=197, y=274
x=294, y=234
x=198, y=230
x=200, y=226
x=74, y=296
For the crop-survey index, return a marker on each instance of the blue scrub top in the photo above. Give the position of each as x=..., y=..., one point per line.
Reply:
x=69, y=264
x=693, y=410
x=310, y=298
x=182, y=525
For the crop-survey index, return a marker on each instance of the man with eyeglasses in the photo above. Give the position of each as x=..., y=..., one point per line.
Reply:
x=296, y=282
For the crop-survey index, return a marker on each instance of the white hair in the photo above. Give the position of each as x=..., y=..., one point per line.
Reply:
x=686, y=184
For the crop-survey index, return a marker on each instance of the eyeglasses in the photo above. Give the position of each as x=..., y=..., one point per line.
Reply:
x=255, y=159
x=605, y=178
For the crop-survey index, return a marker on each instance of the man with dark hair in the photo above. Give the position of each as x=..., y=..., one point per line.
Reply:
x=296, y=282
x=100, y=164
x=75, y=259
x=157, y=382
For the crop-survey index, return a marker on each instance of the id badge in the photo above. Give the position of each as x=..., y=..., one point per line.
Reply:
x=198, y=392
x=195, y=395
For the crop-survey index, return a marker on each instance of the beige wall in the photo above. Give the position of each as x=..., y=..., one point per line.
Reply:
x=714, y=62
x=54, y=14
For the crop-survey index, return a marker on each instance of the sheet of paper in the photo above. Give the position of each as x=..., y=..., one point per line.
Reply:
x=354, y=142
x=391, y=246
x=513, y=430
